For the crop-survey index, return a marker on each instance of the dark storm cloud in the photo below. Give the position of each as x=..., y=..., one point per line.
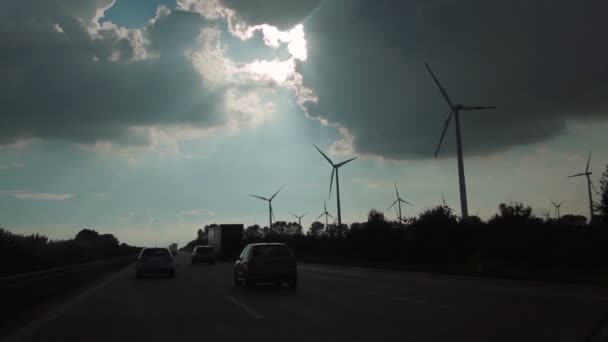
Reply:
x=281, y=13
x=541, y=62
x=60, y=81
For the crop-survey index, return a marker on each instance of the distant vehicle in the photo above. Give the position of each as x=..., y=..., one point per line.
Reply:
x=203, y=254
x=266, y=262
x=155, y=260
x=173, y=249
x=226, y=240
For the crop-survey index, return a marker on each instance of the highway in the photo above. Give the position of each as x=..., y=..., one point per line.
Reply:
x=331, y=303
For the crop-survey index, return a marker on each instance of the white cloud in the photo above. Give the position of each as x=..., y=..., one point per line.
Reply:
x=370, y=182
x=195, y=212
x=177, y=62
x=58, y=28
x=363, y=180
x=210, y=95
x=18, y=145
x=343, y=146
x=13, y=165
x=41, y=196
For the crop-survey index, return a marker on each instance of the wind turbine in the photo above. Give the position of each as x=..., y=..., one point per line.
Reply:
x=557, y=206
x=398, y=201
x=445, y=206
x=299, y=217
x=590, y=185
x=335, y=168
x=455, y=111
x=269, y=200
x=326, y=213
x=547, y=214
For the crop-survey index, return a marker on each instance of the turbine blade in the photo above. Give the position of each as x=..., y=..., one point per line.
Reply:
x=346, y=161
x=588, y=161
x=445, y=128
x=445, y=94
x=578, y=175
x=331, y=182
x=262, y=198
x=271, y=212
x=326, y=157
x=304, y=214
x=468, y=108
x=328, y=214
x=276, y=193
x=294, y=215
x=396, y=191
x=320, y=216
x=554, y=203
x=406, y=202
x=594, y=189
x=560, y=203
x=389, y=208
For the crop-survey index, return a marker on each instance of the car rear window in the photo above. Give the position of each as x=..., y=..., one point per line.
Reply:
x=155, y=252
x=204, y=249
x=272, y=251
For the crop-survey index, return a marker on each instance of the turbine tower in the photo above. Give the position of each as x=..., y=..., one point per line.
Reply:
x=445, y=206
x=299, y=217
x=547, y=214
x=335, y=168
x=590, y=185
x=398, y=201
x=557, y=206
x=455, y=110
x=269, y=200
x=326, y=213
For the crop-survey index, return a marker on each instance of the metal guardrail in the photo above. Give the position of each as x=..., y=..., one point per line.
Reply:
x=22, y=292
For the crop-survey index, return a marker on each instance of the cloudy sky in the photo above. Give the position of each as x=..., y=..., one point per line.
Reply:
x=149, y=119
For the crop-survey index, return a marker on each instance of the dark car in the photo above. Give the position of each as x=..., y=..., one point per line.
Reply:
x=266, y=262
x=203, y=254
x=155, y=260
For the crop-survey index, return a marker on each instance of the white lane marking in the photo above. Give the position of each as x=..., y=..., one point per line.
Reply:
x=245, y=307
x=411, y=300
x=38, y=323
x=196, y=276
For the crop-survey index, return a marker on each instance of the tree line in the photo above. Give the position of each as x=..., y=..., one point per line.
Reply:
x=514, y=238
x=26, y=253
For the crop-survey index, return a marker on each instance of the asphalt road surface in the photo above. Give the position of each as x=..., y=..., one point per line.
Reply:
x=331, y=304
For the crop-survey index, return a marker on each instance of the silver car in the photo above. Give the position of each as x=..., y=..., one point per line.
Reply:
x=155, y=260
x=266, y=262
